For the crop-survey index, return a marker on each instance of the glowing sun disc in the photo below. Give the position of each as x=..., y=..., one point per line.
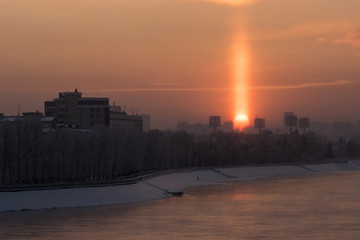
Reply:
x=241, y=118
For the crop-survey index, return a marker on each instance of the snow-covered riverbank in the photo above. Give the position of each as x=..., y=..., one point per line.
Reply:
x=156, y=188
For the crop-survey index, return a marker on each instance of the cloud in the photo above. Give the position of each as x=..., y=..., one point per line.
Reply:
x=232, y=2
x=306, y=85
x=163, y=89
x=199, y=89
x=309, y=29
x=166, y=84
x=321, y=40
x=352, y=39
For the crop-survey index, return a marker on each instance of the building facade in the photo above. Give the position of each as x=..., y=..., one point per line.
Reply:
x=145, y=122
x=72, y=109
x=120, y=119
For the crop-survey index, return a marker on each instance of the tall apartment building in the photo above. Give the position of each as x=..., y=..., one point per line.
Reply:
x=71, y=108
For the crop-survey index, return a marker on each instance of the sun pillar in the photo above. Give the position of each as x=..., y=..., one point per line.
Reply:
x=240, y=74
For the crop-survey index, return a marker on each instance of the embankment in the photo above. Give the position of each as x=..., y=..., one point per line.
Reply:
x=158, y=187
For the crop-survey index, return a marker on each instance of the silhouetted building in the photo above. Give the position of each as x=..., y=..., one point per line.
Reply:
x=12, y=118
x=199, y=129
x=146, y=122
x=259, y=123
x=228, y=126
x=321, y=128
x=342, y=129
x=214, y=122
x=310, y=136
x=266, y=132
x=304, y=123
x=48, y=122
x=120, y=119
x=33, y=115
x=70, y=108
x=1, y=116
x=286, y=114
x=290, y=120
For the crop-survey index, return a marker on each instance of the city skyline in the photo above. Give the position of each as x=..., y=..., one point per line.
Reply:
x=182, y=59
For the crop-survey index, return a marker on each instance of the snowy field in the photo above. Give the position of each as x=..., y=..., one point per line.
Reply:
x=155, y=188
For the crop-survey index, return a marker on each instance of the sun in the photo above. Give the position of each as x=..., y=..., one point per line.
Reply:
x=241, y=120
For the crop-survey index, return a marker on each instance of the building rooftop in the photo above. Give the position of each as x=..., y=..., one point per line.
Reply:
x=12, y=118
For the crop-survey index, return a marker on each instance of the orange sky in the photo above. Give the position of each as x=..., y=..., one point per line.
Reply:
x=175, y=60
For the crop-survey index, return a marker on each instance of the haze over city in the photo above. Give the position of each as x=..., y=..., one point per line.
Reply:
x=185, y=59
x=186, y=119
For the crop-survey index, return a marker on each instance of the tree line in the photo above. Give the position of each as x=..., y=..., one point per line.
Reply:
x=30, y=156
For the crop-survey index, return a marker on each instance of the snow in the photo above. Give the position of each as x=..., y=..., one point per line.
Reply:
x=47, y=119
x=79, y=197
x=330, y=167
x=262, y=171
x=155, y=188
x=177, y=182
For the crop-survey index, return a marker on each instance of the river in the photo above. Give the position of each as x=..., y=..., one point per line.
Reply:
x=316, y=206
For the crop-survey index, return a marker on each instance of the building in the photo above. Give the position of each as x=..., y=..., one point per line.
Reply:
x=290, y=120
x=199, y=129
x=214, y=122
x=146, y=122
x=72, y=109
x=120, y=119
x=304, y=123
x=33, y=116
x=259, y=123
x=343, y=129
x=11, y=119
x=48, y=122
x=228, y=126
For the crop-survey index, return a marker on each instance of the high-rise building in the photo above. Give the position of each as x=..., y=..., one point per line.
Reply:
x=304, y=123
x=214, y=122
x=70, y=108
x=290, y=120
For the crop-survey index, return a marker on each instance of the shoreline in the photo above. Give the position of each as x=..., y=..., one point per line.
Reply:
x=138, y=177
x=159, y=186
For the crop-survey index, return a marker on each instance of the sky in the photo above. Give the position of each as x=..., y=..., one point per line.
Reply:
x=185, y=59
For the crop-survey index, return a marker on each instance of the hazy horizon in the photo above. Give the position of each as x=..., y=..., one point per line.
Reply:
x=185, y=59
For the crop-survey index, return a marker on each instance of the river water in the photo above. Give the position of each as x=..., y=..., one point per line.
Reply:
x=321, y=206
